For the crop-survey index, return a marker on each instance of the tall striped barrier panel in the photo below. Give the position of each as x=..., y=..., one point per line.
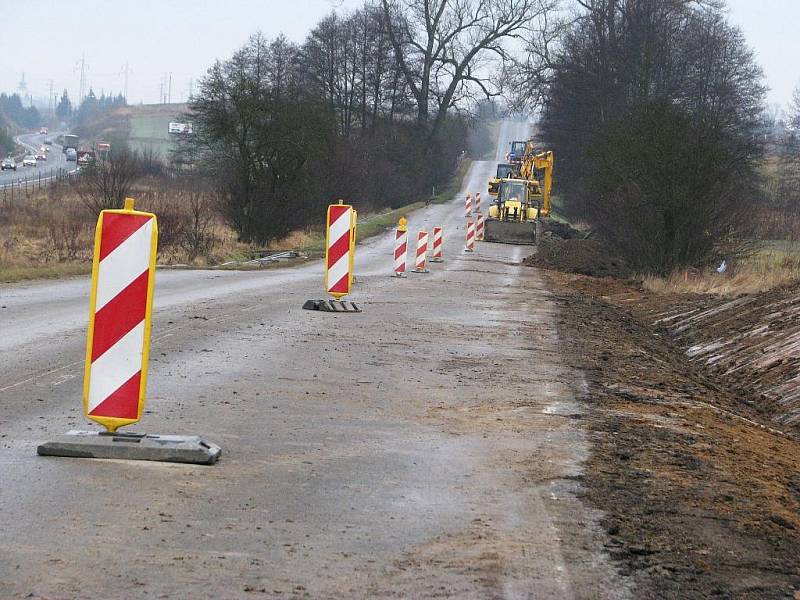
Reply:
x=468, y=206
x=477, y=202
x=118, y=345
x=340, y=243
x=437, y=253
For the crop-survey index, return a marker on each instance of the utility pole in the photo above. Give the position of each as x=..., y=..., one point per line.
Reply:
x=82, y=87
x=161, y=92
x=50, y=105
x=22, y=88
x=169, y=96
x=125, y=71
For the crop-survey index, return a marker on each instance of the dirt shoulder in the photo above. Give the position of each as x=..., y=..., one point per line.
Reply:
x=702, y=498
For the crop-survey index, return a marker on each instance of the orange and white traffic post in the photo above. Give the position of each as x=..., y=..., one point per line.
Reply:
x=479, y=227
x=468, y=206
x=118, y=345
x=437, y=254
x=470, y=247
x=421, y=261
x=401, y=247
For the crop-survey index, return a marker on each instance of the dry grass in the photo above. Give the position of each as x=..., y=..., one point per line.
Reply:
x=775, y=265
x=50, y=233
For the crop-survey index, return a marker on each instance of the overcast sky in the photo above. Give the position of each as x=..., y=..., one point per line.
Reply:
x=46, y=39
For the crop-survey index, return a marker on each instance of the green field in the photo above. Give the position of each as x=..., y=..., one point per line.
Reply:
x=149, y=127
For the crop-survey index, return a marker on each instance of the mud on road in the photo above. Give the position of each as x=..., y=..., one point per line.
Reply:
x=701, y=494
x=430, y=446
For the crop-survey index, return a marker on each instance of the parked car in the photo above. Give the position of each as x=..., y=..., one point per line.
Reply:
x=41, y=155
x=29, y=161
x=8, y=164
x=72, y=154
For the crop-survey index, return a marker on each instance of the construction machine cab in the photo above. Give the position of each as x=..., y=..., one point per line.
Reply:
x=507, y=171
x=517, y=200
x=517, y=152
x=504, y=171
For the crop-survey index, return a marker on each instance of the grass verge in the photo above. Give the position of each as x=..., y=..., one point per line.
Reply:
x=775, y=264
x=13, y=274
x=312, y=241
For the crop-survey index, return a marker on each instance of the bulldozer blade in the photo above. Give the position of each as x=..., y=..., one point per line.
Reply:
x=509, y=232
x=338, y=306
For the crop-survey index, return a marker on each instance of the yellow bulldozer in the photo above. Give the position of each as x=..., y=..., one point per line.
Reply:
x=521, y=201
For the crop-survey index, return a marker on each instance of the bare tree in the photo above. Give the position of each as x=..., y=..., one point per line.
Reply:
x=794, y=109
x=449, y=50
x=653, y=108
x=106, y=182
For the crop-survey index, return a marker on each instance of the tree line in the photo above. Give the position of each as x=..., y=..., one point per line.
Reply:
x=372, y=108
x=655, y=110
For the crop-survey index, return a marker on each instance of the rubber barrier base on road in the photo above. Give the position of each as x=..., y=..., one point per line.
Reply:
x=331, y=306
x=132, y=446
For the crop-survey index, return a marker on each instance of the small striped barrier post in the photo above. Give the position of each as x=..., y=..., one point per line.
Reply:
x=401, y=247
x=479, y=227
x=420, y=263
x=437, y=254
x=468, y=206
x=470, y=247
x=477, y=202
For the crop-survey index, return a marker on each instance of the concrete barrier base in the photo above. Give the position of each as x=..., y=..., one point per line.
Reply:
x=132, y=446
x=331, y=306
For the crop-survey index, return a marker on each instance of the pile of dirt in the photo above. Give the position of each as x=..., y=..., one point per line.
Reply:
x=701, y=496
x=749, y=344
x=577, y=255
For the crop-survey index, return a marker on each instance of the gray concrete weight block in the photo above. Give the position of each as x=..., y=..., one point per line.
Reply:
x=132, y=446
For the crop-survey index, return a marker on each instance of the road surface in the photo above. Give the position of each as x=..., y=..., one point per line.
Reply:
x=427, y=447
x=32, y=142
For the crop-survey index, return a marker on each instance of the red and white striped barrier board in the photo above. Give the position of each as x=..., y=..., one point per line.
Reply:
x=400, y=252
x=470, y=247
x=477, y=202
x=479, y=227
x=117, y=348
x=420, y=264
x=437, y=254
x=468, y=206
x=339, y=251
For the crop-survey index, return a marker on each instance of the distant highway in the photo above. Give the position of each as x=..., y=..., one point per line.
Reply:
x=32, y=142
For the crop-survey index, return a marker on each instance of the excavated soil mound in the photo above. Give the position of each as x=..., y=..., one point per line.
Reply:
x=581, y=256
x=701, y=496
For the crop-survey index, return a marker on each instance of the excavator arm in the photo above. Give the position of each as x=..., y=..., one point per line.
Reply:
x=542, y=161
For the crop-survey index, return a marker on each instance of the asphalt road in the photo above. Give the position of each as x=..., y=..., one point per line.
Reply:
x=427, y=447
x=55, y=159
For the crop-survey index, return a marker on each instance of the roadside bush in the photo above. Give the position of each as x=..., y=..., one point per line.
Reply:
x=667, y=196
